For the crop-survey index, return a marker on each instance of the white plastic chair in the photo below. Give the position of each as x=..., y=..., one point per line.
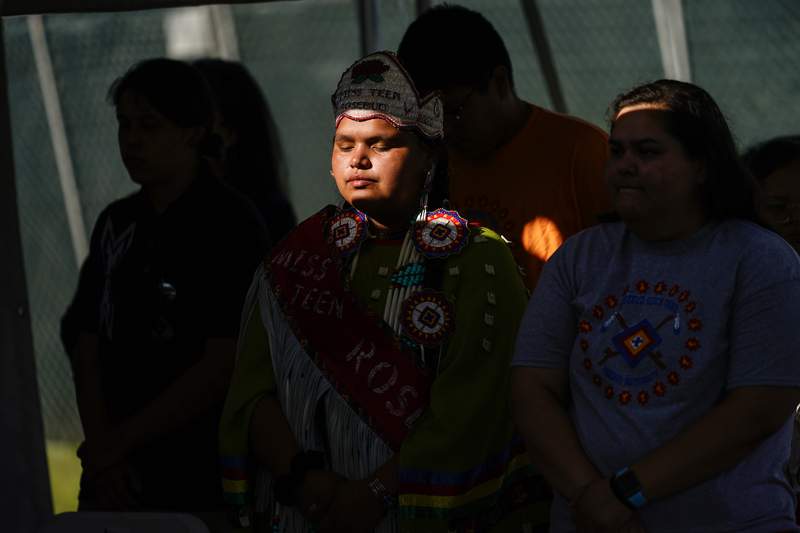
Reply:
x=103, y=522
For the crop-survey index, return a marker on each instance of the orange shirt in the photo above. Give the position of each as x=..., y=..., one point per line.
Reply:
x=538, y=189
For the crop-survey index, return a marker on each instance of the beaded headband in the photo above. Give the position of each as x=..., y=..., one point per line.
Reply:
x=377, y=86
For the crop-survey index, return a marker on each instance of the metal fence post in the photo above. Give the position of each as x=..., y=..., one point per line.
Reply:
x=672, y=41
x=24, y=487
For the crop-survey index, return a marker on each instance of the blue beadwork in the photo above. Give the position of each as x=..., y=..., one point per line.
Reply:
x=409, y=342
x=409, y=275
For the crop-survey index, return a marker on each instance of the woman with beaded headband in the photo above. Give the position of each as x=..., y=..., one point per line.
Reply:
x=370, y=392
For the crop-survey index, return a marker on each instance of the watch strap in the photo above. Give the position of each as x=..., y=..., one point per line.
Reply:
x=626, y=487
x=284, y=490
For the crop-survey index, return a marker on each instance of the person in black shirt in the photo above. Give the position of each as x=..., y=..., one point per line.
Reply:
x=151, y=331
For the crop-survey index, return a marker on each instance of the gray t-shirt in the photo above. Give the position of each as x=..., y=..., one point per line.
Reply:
x=652, y=335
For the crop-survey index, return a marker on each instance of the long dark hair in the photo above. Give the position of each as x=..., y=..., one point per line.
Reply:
x=257, y=154
x=693, y=118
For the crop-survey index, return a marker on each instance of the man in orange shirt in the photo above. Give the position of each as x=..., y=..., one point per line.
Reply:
x=530, y=174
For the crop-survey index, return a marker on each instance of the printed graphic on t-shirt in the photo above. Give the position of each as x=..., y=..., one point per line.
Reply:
x=639, y=345
x=113, y=248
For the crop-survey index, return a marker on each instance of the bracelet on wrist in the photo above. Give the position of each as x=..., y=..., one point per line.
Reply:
x=626, y=487
x=388, y=501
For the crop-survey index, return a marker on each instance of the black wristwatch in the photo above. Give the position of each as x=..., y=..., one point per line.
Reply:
x=626, y=487
x=288, y=485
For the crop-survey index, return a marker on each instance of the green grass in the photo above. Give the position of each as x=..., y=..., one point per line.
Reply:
x=65, y=474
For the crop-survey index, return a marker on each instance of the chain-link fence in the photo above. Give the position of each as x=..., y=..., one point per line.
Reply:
x=49, y=259
x=297, y=51
x=88, y=52
x=745, y=53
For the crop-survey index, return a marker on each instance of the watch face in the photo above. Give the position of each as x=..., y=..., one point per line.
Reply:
x=284, y=491
x=627, y=483
x=626, y=487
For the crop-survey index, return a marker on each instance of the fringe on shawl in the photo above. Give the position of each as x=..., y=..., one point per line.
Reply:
x=353, y=449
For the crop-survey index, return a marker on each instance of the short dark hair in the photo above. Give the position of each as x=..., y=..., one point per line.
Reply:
x=694, y=119
x=451, y=45
x=174, y=88
x=765, y=158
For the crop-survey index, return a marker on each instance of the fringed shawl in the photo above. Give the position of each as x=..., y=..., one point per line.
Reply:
x=461, y=468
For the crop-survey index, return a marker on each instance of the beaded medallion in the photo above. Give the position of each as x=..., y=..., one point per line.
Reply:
x=443, y=233
x=427, y=317
x=348, y=230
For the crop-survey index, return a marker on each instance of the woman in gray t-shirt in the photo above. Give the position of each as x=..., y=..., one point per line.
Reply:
x=656, y=366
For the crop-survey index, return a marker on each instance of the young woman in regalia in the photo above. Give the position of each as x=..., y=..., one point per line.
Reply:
x=371, y=387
